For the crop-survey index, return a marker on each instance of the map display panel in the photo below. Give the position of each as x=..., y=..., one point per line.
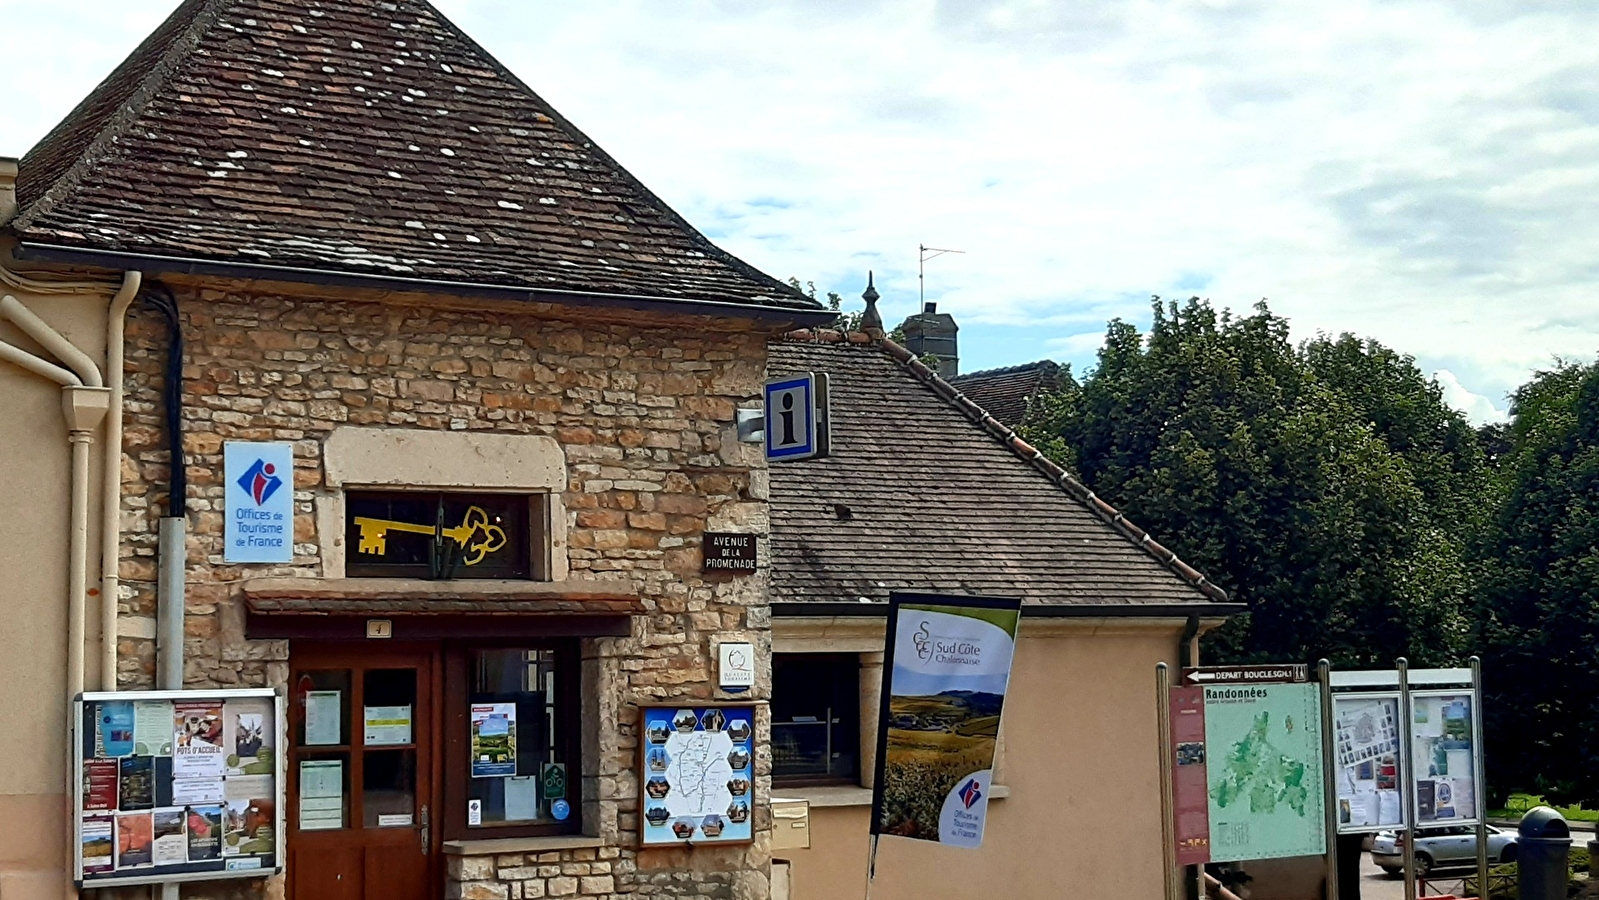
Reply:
x=698, y=774
x=1264, y=769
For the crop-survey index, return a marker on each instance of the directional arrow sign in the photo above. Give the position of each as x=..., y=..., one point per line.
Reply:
x=1285, y=674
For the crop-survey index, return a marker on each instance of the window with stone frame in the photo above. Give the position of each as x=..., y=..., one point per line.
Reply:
x=439, y=535
x=816, y=718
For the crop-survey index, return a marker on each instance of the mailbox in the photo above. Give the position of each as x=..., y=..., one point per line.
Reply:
x=791, y=824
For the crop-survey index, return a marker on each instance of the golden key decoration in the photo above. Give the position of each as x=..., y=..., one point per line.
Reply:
x=375, y=532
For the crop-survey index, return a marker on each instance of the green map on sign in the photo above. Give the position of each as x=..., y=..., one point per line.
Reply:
x=1259, y=773
x=1263, y=771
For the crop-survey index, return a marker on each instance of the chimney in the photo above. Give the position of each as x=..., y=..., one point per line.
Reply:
x=932, y=333
x=8, y=189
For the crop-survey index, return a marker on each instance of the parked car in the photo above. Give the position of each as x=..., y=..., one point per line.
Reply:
x=1454, y=845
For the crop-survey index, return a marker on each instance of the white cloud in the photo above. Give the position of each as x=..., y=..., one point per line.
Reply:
x=1407, y=170
x=1478, y=409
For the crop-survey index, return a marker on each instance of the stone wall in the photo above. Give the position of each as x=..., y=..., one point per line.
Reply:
x=643, y=411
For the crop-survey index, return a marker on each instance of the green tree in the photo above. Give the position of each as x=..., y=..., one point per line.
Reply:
x=1321, y=484
x=1540, y=591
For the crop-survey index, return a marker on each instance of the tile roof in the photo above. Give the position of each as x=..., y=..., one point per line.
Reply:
x=1008, y=393
x=357, y=137
x=925, y=490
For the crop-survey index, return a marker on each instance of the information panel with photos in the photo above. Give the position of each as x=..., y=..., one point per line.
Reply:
x=178, y=786
x=1367, y=761
x=698, y=774
x=1444, y=751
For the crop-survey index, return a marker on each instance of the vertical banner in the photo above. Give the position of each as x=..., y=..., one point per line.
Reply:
x=1190, y=790
x=259, y=482
x=948, y=663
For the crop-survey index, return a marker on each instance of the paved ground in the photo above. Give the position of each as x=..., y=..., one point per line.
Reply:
x=1375, y=884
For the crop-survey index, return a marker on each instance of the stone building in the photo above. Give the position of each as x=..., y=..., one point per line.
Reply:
x=508, y=375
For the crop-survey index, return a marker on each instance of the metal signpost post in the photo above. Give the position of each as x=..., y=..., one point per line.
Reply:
x=1167, y=750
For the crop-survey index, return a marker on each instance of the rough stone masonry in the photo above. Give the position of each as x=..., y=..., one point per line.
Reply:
x=643, y=410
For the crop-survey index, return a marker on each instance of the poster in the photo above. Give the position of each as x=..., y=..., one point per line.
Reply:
x=205, y=833
x=100, y=778
x=697, y=775
x=170, y=846
x=97, y=836
x=948, y=668
x=247, y=737
x=1443, y=752
x=186, y=791
x=152, y=727
x=135, y=840
x=493, y=740
x=248, y=827
x=1366, y=729
x=113, y=729
x=136, y=783
x=323, y=714
x=321, y=794
x=1263, y=771
x=197, y=749
x=387, y=725
x=258, y=482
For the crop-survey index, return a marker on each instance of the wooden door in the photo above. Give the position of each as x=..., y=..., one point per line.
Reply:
x=362, y=772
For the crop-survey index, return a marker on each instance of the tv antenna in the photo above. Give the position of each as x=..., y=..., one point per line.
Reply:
x=925, y=253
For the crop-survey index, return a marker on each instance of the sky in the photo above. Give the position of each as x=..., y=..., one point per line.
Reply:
x=1416, y=172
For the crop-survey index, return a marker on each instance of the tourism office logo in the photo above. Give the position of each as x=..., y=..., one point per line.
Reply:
x=970, y=793
x=260, y=481
x=923, y=639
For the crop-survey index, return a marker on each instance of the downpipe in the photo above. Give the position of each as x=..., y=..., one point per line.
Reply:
x=111, y=483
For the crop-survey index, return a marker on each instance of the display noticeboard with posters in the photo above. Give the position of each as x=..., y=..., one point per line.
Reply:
x=1247, y=764
x=1445, y=757
x=177, y=786
x=1367, y=761
x=697, y=774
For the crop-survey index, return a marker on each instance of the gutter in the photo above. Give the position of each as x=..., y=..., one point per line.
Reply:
x=1192, y=612
x=776, y=316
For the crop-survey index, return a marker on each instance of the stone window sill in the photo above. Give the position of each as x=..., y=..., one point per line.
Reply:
x=545, y=844
x=849, y=795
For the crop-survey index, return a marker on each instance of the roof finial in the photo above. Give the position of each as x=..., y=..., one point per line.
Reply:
x=871, y=319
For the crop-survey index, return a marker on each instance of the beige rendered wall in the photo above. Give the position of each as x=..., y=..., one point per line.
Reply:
x=35, y=472
x=1080, y=759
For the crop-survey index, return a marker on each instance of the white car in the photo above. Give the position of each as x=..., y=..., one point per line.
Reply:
x=1454, y=845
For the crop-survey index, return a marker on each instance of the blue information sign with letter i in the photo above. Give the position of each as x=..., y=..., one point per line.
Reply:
x=796, y=417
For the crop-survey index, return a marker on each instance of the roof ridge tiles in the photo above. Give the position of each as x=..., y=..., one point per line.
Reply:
x=1008, y=370
x=1013, y=442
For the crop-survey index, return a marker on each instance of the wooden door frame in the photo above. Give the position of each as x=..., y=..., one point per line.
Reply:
x=360, y=656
